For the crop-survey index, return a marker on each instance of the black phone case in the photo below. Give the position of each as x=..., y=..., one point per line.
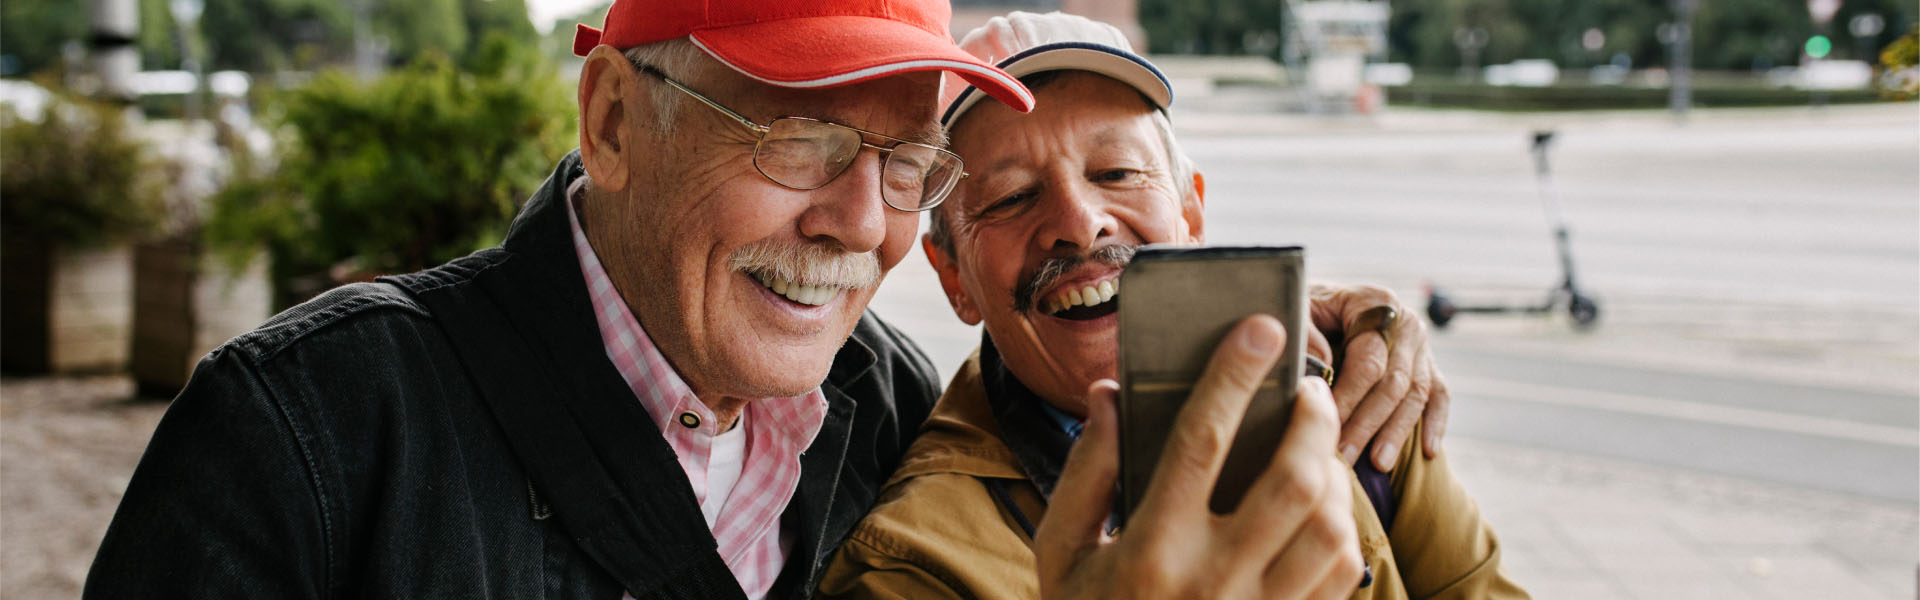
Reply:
x=1176, y=304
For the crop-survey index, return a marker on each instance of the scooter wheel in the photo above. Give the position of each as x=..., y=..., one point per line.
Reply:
x=1583, y=310
x=1440, y=309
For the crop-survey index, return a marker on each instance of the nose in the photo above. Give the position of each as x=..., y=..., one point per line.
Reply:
x=849, y=210
x=1075, y=217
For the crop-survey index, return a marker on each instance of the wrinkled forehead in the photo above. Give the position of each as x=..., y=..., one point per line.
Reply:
x=1078, y=129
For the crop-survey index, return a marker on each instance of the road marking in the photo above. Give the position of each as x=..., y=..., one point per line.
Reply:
x=1686, y=410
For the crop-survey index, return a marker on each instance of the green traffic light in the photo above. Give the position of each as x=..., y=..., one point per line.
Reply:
x=1818, y=46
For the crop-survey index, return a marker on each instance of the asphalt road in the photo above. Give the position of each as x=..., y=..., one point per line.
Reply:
x=1758, y=273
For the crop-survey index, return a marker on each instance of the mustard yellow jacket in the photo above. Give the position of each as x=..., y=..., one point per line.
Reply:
x=936, y=531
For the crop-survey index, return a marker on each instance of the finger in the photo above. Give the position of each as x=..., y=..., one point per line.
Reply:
x=1364, y=364
x=1342, y=579
x=1323, y=549
x=1296, y=480
x=1380, y=401
x=1204, y=429
x=1076, y=514
x=1318, y=346
x=1409, y=330
x=1325, y=303
x=1394, y=434
x=1438, y=401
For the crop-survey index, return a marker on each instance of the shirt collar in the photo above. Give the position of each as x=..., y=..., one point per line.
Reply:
x=660, y=389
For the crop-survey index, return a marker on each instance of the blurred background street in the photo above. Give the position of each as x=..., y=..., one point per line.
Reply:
x=1742, y=422
x=1740, y=179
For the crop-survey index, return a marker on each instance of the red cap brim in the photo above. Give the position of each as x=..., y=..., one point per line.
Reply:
x=816, y=52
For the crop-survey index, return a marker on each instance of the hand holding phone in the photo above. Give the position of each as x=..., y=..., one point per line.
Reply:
x=1292, y=537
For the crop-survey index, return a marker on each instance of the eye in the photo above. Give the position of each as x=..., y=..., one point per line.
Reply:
x=1114, y=175
x=1008, y=202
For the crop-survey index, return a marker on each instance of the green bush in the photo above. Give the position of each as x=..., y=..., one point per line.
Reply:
x=1897, y=64
x=75, y=176
x=417, y=167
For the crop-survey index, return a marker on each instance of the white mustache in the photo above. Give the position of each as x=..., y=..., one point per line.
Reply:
x=808, y=264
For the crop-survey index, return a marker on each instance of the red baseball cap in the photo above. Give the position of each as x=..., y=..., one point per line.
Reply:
x=808, y=43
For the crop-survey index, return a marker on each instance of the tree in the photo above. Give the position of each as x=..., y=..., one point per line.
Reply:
x=32, y=32
x=505, y=17
x=271, y=35
x=1428, y=30
x=1211, y=26
x=159, y=40
x=414, y=28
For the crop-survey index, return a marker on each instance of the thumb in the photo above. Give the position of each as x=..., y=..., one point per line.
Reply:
x=1076, y=515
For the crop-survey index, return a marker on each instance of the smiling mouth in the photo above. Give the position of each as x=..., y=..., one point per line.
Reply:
x=809, y=295
x=1084, y=303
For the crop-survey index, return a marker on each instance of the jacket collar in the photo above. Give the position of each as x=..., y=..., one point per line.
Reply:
x=989, y=424
x=1035, y=439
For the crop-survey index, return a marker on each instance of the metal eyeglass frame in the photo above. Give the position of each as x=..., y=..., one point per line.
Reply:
x=761, y=130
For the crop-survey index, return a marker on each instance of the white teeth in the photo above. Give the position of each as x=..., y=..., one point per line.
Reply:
x=1084, y=296
x=812, y=295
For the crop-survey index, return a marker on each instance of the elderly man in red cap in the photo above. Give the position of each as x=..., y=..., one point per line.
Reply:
x=664, y=383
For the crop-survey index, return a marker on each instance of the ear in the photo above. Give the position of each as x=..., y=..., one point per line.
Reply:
x=949, y=273
x=607, y=88
x=1193, y=209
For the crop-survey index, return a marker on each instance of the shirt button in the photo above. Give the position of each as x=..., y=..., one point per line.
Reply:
x=689, y=420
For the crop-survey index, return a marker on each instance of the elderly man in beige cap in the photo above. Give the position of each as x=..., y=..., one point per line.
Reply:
x=1007, y=493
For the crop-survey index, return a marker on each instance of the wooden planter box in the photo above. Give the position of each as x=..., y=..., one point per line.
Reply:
x=63, y=309
x=186, y=305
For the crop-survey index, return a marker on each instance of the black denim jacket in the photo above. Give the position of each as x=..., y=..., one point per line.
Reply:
x=460, y=433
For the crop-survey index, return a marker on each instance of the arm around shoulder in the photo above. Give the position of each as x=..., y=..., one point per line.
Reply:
x=225, y=501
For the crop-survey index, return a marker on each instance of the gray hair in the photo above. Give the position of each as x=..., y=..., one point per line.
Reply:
x=679, y=59
x=940, y=225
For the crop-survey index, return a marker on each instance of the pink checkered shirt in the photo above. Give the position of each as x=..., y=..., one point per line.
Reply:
x=747, y=530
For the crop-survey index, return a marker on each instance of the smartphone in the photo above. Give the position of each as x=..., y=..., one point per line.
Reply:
x=1178, y=303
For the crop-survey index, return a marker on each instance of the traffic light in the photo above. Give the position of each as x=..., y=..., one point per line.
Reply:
x=1819, y=46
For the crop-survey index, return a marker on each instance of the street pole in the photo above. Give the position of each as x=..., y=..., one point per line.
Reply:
x=113, y=27
x=1864, y=27
x=1680, y=94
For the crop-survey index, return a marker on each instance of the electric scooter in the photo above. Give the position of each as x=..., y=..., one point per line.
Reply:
x=1581, y=307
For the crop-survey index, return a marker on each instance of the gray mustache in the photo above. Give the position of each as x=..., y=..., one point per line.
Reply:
x=808, y=264
x=1052, y=269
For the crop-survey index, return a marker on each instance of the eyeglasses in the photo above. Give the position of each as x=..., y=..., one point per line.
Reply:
x=807, y=154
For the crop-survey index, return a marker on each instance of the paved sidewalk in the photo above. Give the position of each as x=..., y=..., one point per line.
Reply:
x=1580, y=527
x=1570, y=526
x=67, y=449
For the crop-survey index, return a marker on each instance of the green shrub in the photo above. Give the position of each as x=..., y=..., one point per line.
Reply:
x=1897, y=64
x=75, y=176
x=417, y=167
